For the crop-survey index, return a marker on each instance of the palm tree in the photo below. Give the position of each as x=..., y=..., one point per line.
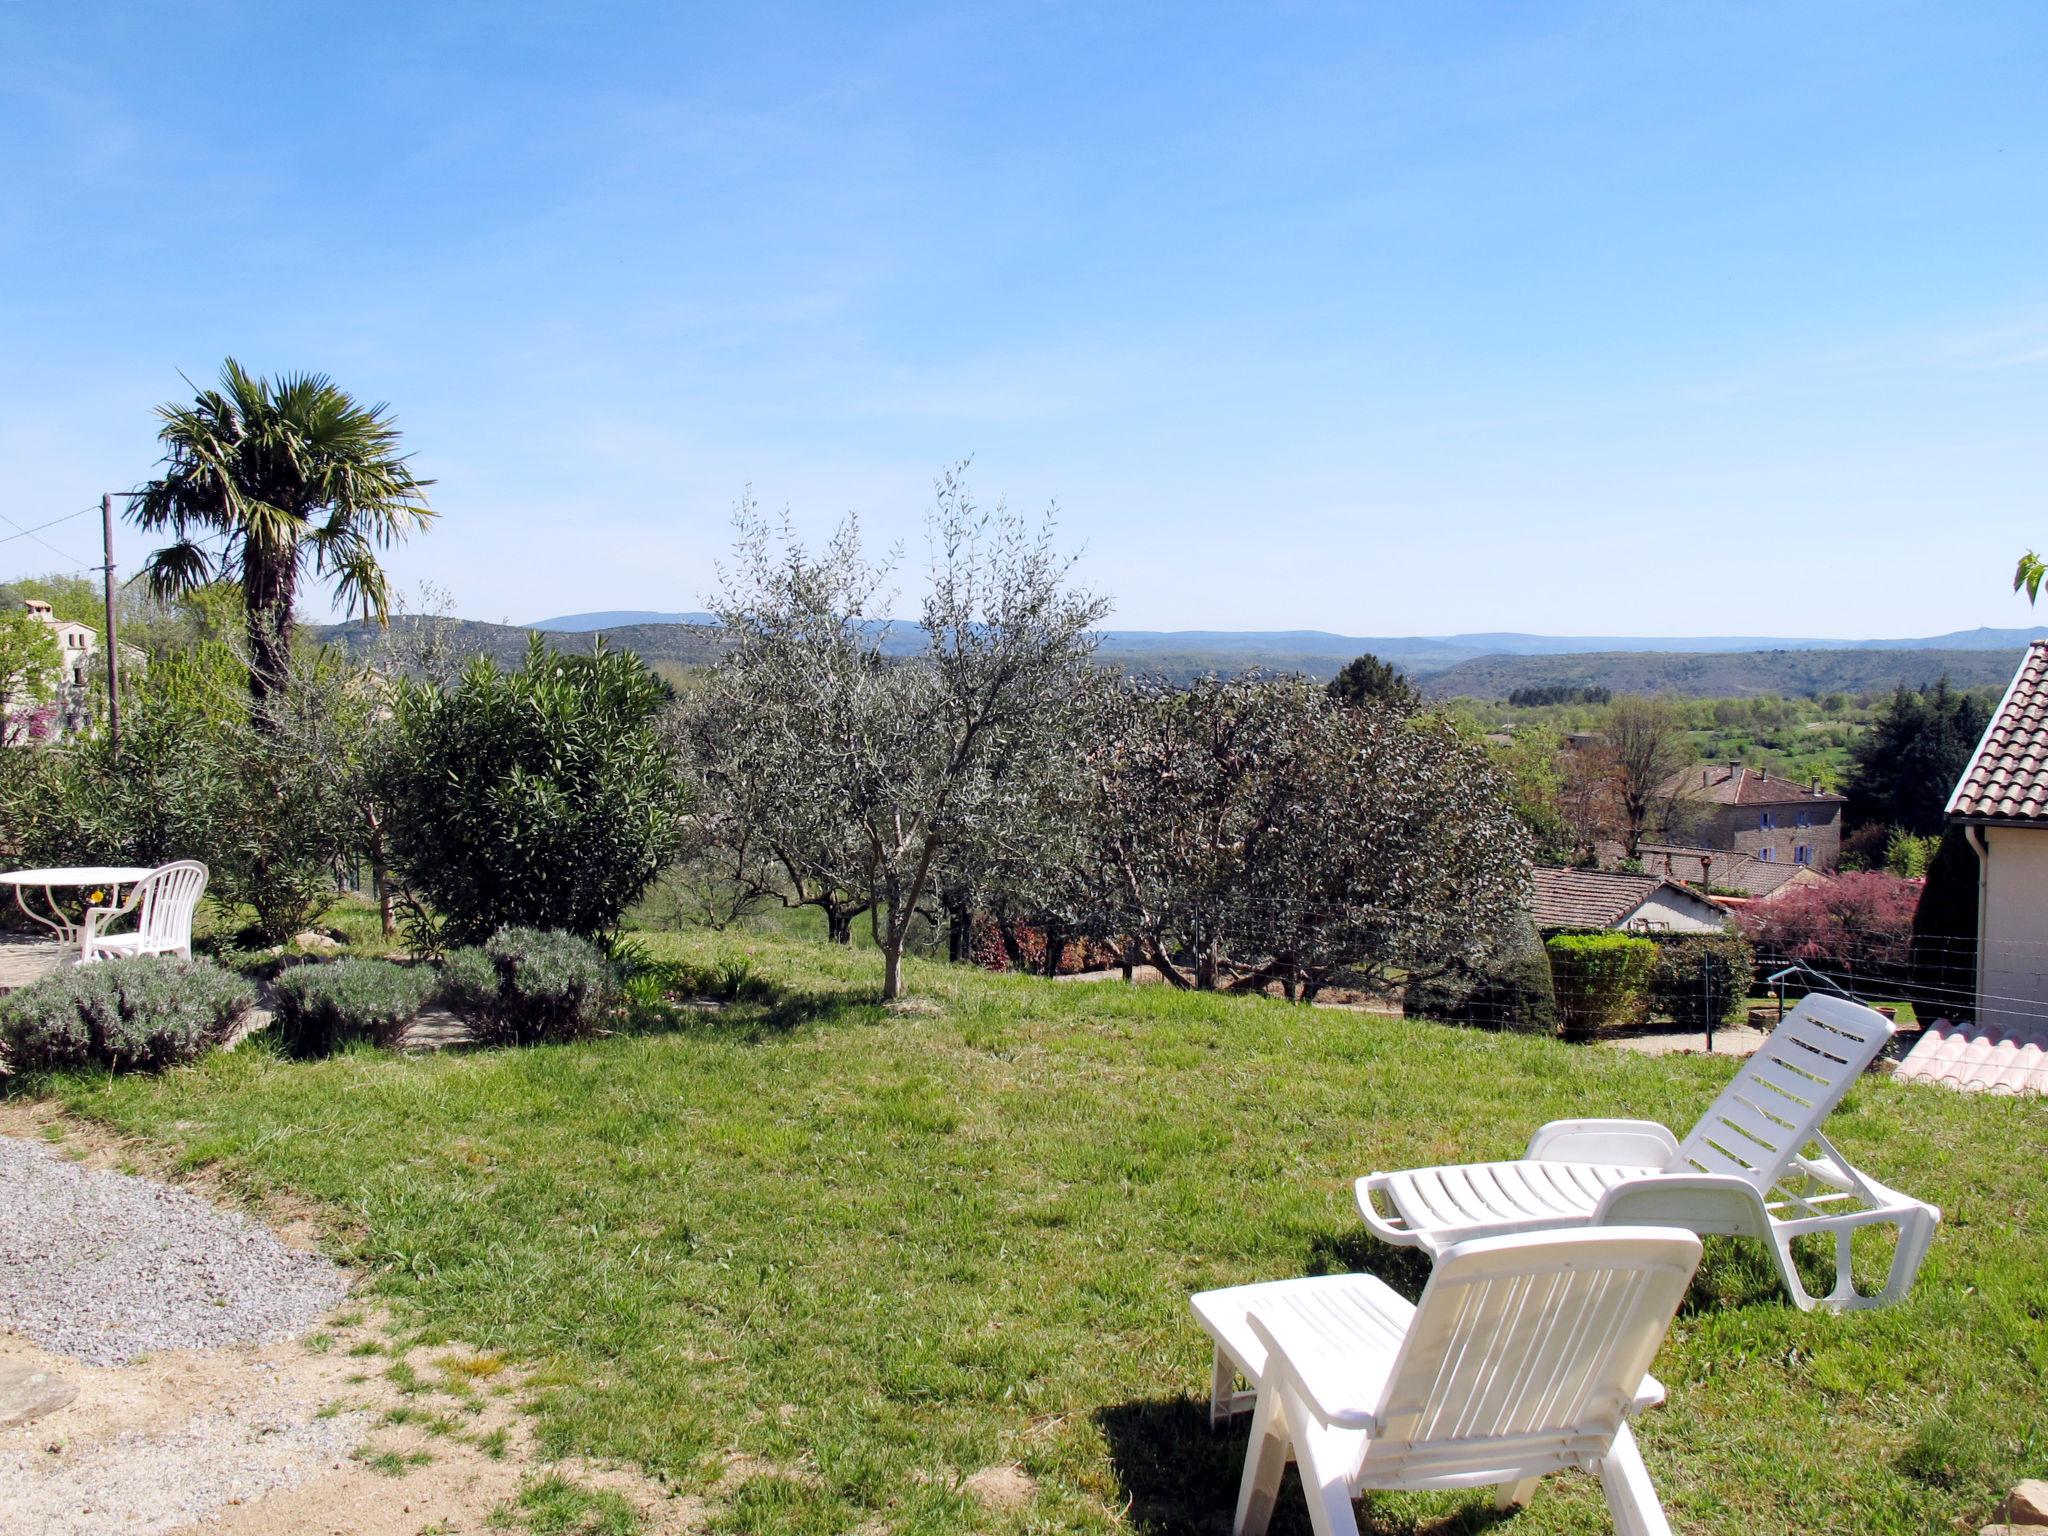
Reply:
x=267, y=480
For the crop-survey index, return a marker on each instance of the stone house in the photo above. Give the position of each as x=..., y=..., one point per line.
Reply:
x=1744, y=810
x=1723, y=870
x=79, y=645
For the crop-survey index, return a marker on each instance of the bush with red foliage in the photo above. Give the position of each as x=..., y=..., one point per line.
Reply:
x=1857, y=926
x=1025, y=950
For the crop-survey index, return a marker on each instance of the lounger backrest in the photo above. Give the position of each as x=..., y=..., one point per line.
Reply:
x=170, y=896
x=1527, y=1351
x=1766, y=1116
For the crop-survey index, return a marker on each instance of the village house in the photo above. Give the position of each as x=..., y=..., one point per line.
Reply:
x=2001, y=805
x=1570, y=900
x=1743, y=810
x=79, y=645
x=1726, y=871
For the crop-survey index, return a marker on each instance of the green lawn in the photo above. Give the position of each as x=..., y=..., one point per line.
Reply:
x=823, y=1262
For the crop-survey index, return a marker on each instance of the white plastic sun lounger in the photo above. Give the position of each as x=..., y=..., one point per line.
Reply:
x=1745, y=1170
x=1526, y=1355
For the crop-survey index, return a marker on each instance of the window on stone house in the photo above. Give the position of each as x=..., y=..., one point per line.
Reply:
x=1767, y=821
x=1767, y=855
x=1802, y=854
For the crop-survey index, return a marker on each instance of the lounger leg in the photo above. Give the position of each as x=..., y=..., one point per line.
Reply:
x=1324, y=1481
x=1222, y=1388
x=1515, y=1495
x=1781, y=1251
x=1265, y=1463
x=1630, y=1498
x=1916, y=1236
x=1327, y=1485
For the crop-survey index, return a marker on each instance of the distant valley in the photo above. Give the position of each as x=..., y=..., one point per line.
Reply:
x=1476, y=665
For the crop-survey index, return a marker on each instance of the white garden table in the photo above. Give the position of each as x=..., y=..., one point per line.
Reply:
x=105, y=878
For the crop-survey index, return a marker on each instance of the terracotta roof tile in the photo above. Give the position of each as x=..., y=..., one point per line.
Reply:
x=1732, y=784
x=1586, y=900
x=2007, y=779
x=1724, y=868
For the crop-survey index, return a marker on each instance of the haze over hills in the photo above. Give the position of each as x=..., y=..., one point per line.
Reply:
x=1319, y=653
x=1727, y=674
x=1479, y=666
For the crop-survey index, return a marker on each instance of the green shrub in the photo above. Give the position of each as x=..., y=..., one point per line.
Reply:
x=1702, y=979
x=547, y=797
x=526, y=986
x=1601, y=980
x=1510, y=989
x=321, y=1008
x=139, y=1015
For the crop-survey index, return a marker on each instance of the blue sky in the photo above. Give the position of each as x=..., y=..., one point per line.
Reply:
x=1381, y=319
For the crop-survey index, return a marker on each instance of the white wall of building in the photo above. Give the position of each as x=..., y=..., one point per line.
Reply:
x=2012, y=949
x=1673, y=911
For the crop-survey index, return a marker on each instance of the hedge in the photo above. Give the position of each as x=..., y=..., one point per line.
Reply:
x=1702, y=979
x=1602, y=980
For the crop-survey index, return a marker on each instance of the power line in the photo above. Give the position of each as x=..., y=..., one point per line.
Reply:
x=36, y=534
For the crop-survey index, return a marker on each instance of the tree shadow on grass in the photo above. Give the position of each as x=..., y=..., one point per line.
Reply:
x=763, y=1009
x=1180, y=1478
x=1733, y=1272
x=1359, y=1252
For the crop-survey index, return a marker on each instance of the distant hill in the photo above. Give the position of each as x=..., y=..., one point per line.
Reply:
x=1442, y=667
x=583, y=623
x=1319, y=653
x=1728, y=674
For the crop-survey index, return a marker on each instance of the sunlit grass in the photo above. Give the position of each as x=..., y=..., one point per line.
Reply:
x=819, y=1261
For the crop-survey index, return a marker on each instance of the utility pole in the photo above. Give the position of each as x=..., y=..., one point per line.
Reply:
x=113, y=645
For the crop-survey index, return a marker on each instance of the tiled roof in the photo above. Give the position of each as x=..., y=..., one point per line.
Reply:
x=1585, y=900
x=1733, y=784
x=1988, y=1059
x=2007, y=779
x=1723, y=868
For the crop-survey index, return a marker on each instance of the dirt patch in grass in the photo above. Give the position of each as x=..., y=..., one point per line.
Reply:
x=1005, y=1487
x=349, y=1428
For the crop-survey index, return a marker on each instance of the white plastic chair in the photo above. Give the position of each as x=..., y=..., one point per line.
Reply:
x=1745, y=1170
x=165, y=900
x=1526, y=1355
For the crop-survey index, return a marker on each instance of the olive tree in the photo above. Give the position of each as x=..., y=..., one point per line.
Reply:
x=1258, y=831
x=1028, y=854
x=885, y=762
x=753, y=840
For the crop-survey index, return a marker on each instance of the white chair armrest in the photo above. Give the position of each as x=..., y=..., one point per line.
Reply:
x=1388, y=1229
x=93, y=924
x=1711, y=1204
x=1332, y=1381
x=1630, y=1143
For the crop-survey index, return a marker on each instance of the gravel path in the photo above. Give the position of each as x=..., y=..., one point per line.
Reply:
x=141, y=1484
x=105, y=1267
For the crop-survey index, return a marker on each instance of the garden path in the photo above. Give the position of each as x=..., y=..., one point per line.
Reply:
x=341, y=1428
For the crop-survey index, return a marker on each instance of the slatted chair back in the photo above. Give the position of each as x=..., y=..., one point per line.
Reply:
x=1525, y=1355
x=168, y=899
x=1766, y=1116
